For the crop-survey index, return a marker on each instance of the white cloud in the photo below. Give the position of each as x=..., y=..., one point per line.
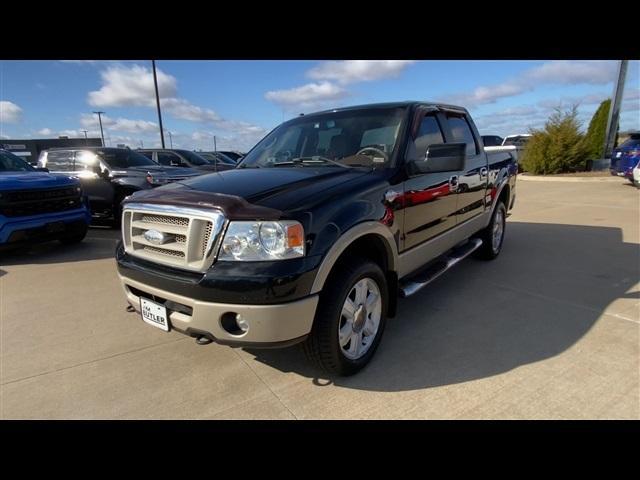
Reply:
x=119, y=124
x=565, y=72
x=557, y=72
x=133, y=85
x=181, y=108
x=45, y=131
x=306, y=96
x=9, y=112
x=351, y=71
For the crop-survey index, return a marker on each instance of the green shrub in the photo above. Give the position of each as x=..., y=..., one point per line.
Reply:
x=558, y=147
x=594, y=139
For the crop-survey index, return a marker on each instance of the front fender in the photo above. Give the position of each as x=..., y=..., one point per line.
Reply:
x=347, y=238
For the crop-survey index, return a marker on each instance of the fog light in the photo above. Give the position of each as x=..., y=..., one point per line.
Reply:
x=234, y=323
x=242, y=323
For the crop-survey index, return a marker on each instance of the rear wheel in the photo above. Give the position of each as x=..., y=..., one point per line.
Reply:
x=350, y=319
x=493, y=235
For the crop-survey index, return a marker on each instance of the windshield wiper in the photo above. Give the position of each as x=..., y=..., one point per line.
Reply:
x=316, y=159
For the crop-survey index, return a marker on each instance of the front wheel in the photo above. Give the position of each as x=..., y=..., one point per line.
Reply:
x=350, y=319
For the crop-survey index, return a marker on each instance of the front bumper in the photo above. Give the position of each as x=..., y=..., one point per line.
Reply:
x=269, y=325
x=15, y=230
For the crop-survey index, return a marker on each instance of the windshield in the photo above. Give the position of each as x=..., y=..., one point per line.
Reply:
x=365, y=137
x=12, y=163
x=193, y=158
x=517, y=141
x=632, y=142
x=124, y=158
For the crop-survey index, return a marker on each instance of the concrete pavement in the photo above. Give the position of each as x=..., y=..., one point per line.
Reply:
x=551, y=329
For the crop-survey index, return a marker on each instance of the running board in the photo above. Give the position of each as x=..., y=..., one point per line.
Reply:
x=425, y=277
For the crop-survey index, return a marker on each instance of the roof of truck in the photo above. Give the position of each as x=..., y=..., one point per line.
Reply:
x=406, y=103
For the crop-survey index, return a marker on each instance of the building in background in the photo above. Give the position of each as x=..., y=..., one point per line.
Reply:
x=30, y=149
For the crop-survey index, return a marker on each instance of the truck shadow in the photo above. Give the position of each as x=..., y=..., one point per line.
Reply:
x=547, y=289
x=99, y=243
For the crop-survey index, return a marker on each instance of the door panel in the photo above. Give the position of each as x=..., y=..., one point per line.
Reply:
x=429, y=199
x=473, y=180
x=429, y=207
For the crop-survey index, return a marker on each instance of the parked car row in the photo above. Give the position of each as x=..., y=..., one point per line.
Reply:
x=108, y=175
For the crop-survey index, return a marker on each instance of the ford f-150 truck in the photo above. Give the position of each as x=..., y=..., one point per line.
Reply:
x=324, y=224
x=39, y=206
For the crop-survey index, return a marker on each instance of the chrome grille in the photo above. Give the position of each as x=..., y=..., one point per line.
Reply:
x=165, y=219
x=187, y=238
x=164, y=251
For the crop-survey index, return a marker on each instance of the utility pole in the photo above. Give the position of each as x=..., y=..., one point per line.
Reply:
x=101, y=131
x=614, y=112
x=215, y=146
x=86, y=141
x=170, y=139
x=155, y=83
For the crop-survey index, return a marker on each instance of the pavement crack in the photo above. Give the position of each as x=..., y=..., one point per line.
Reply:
x=266, y=384
x=88, y=362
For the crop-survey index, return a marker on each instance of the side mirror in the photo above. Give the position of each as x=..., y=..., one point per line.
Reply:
x=444, y=157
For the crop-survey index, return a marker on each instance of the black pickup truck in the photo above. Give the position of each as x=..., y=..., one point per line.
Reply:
x=325, y=223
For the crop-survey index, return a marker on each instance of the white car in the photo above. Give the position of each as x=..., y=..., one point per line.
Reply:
x=636, y=175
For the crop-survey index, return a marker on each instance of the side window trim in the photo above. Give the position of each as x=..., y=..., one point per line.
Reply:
x=417, y=122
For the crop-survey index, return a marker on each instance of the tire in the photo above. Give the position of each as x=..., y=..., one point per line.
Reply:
x=75, y=238
x=323, y=346
x=490, y=249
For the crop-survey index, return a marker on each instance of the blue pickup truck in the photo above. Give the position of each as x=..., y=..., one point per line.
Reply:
x=625, y=157
x=36, y=205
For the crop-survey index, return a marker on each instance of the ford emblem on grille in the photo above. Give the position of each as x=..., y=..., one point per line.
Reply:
x=155, y=237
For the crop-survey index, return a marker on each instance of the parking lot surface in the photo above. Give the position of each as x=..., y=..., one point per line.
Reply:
x=557, y=336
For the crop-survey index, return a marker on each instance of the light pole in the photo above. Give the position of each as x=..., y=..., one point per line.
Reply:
x=155, y=83
x=170, y=139
x=101, y=131
x=86, y=140
x=614, y=112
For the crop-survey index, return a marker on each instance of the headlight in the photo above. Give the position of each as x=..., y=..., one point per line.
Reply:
x=156, y=180
x=256, y=241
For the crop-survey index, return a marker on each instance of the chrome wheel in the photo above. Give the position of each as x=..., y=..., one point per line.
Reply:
x=360, y=318
x=498, y=230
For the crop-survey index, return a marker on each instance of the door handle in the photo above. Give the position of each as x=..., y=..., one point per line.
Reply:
x=453, y=183
x=483, y=172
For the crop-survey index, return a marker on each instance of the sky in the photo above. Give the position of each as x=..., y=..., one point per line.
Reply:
x=239, y=102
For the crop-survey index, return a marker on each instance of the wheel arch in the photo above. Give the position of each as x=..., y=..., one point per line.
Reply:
x=370, y=239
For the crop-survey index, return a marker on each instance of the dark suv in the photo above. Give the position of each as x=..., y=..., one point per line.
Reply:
x=220, y=159
x=108, y=175
x=182, y=158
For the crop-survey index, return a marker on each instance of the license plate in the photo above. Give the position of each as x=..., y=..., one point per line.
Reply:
x=55, y=227
x=154, y=314
x=618, y=155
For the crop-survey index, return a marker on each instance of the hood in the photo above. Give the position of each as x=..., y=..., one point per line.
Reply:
x=268, y=190
x=266, y=186
x=212, y=168
x=29, y=180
